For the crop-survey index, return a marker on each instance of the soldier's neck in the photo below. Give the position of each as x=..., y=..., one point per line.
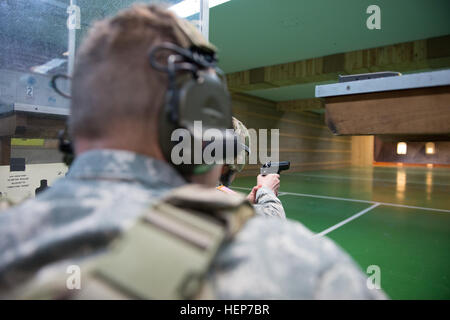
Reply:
x=83, y=145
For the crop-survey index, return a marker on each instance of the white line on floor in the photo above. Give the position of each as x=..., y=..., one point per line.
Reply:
x=340, y=224
x=356, y=200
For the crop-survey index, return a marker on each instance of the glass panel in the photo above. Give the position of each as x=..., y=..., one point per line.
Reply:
x=34, y=39
x=39, y=40
x=34, y=47
x=95, y=10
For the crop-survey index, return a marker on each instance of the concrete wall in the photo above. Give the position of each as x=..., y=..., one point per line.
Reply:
x=386, y=151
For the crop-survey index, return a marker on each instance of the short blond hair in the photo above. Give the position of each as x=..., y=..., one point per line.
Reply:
x=113, y=82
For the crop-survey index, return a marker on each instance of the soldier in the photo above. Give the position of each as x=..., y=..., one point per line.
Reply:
x=264, y=195
x=131, y=220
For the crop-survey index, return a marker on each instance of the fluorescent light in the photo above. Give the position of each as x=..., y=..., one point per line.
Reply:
x=430, y=148
x=213, y=3
x=402, y=148
x=50, y=65
x=188, y=8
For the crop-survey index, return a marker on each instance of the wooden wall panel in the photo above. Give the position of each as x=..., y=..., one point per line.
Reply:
x=423, y=111
x=362, y=150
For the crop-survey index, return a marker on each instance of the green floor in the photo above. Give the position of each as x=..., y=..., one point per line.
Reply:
x=410, y=244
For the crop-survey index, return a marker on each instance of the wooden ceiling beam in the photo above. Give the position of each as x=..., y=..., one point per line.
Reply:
x=413, y=112
x=430, y=53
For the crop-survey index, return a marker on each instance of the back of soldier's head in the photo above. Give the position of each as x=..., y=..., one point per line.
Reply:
x=114, y=88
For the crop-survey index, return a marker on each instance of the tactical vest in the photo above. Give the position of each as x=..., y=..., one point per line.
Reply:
x=166, y=254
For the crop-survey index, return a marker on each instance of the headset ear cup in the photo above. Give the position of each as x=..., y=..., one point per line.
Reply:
x=168, y=123
x=166, y=127
x=204, y=99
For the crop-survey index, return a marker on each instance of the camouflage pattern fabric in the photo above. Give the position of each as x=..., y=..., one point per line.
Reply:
x=105, y=191
x=280, y=259
x=101, y=195
x=268, y=204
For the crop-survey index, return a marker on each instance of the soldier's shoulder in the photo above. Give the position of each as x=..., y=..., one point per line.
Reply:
x=287, y=235
x=274, y=258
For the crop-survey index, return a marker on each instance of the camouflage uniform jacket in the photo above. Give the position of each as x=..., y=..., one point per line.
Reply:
x=106, y=190
x=268, y=204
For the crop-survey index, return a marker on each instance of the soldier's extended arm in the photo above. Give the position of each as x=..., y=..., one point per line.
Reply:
x=268, y=204
x=266, y=200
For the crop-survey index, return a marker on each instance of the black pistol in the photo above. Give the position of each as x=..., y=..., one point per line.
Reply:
x=274, y=167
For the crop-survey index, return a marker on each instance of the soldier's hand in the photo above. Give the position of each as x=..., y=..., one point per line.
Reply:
x=252, y=195
x=271, y=181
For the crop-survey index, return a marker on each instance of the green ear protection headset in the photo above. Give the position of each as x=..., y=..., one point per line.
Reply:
x=195, y=93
